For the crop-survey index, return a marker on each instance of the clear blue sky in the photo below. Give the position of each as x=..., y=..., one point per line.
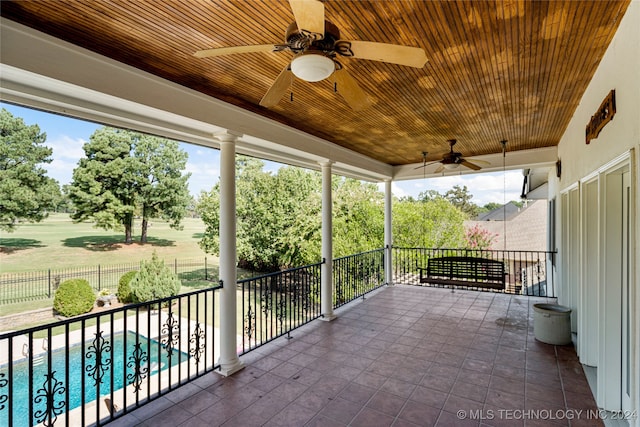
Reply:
x=66, y=136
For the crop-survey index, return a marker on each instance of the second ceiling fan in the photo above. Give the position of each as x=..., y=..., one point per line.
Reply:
x=316, y=45
x=452, y=160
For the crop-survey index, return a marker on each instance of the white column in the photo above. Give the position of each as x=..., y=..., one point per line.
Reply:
x=229, y=361
x=326, y=284
x=388, y=234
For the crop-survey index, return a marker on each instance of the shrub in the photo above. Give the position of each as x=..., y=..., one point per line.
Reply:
x=154, y=281
x=74, y=297
x=124, y=287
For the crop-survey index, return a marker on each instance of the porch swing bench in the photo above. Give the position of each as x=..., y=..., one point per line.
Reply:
x=464, y=271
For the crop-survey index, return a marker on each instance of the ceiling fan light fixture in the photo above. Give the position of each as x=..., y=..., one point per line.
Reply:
x=451, y=166
x=312, y=67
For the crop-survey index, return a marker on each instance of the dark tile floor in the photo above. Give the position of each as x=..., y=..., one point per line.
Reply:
x=405, y=356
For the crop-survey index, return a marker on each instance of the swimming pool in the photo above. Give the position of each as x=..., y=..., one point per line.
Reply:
x=119, y=366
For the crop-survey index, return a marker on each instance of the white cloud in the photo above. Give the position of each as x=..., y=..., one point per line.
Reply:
x=65, y=147
x=485, y=187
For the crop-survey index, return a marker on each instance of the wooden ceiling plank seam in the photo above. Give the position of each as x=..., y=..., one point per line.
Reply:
x=494, y=44
x=554, y=62
x=563, y=66
x=528, y=55
x=584, y=63
x=546, y=63
x=476, y=79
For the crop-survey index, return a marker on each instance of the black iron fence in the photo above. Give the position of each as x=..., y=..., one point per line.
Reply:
x=95, y=368
x=527, y=272
x=32, y=285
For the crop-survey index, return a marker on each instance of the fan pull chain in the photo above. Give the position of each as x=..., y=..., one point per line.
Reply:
x=335, y=87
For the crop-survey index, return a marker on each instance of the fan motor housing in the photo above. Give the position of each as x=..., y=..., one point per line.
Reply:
x=300, y=40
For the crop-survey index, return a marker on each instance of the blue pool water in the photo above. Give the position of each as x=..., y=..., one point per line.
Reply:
x=156, y=359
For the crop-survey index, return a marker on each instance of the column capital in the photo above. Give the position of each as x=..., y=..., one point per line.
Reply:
x=227, y=136
x=326, y=163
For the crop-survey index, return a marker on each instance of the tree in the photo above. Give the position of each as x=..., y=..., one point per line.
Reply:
x=477, y=237
x=104, y=185
x=430, y=224
x=154, y=281
x=278, y=216
x=163, y=190
x=460, y=197
x=125, y=172
x=358, y=216
x=26, y=193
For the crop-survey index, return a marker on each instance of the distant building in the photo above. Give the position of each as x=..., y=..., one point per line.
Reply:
x=526, y=237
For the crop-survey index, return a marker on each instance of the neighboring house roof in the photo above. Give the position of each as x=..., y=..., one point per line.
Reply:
x=510, y=209
x=526, y=230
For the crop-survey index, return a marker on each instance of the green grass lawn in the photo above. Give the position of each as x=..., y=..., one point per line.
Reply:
x=59, y=243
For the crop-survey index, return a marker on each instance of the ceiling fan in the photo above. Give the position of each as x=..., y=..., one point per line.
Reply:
x=452, y=160
x=316, y=44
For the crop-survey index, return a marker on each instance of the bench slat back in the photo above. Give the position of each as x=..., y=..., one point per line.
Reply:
x=466, y=268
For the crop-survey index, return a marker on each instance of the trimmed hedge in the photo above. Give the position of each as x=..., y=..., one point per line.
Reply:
x=124, y=287
x=74, y=297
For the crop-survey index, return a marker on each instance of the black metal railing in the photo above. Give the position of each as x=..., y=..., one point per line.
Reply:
x=356, y=275
x=95, y=368
x=274, y=304
x=527, y=272
x=32, y=285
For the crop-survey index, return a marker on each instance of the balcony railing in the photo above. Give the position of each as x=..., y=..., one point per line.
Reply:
x=527, y=272
x=95, y=368
x=356, y=275
x=275, y=304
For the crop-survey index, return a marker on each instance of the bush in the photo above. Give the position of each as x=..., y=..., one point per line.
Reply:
x=124, y=287
x=74, y=297
x=154, y=281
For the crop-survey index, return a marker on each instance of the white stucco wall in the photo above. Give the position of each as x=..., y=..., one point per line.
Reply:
x=619, y=70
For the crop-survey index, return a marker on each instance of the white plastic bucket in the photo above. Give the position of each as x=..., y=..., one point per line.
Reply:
x=552, y=324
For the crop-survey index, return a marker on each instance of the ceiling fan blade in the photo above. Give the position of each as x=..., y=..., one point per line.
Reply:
x=234, y=49
x=426, y=164
x=440, y=169
x=479, y=162
x=278, y=88
x=350, y=90
x=470, y=165
x=309, y=16
x=392, y=53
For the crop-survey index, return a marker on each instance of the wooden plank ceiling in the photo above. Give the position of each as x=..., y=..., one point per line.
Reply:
x=497, y=70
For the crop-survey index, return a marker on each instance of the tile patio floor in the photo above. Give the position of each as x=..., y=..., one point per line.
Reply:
x=405, y=356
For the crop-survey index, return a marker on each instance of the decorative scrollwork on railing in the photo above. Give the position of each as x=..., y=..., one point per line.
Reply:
x=138, y=363
x=306, y=297
x=170, y=334
x=281, y=308
x=250, y=323
x=266, y=299
x=198, y=342
x=47, y=393
x=96, y=351
x=3, y=397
